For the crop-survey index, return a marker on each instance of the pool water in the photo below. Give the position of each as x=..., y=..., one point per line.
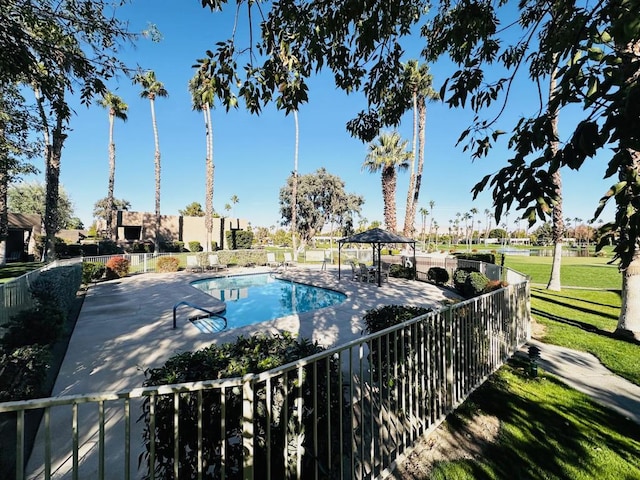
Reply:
x=260, y=297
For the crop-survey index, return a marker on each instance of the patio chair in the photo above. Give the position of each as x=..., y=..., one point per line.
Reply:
x=366, y=275
x=385, y=269
x=214, y=263
x=271, y=260
x=288, y=260
x=193, y=265
x=355, y=272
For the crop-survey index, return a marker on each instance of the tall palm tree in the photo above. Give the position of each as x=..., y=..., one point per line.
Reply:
x=151, y=89
x=202, y=96
x=424, y=212
x=117, y=109
x=473, y=211
x=419, y=81
x=294, y=191
x=388, y=156
x=487, y=214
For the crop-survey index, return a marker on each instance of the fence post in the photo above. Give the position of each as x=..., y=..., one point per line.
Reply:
x=144, y=262
x=449, y=357
x=247, y=426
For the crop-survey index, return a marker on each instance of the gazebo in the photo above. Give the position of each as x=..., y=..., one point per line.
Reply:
x=376, y=237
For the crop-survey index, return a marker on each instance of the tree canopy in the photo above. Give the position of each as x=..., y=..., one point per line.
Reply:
x=321, y=199
x=30, y=198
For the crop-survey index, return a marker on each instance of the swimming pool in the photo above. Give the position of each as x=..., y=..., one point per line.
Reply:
x=261, y=297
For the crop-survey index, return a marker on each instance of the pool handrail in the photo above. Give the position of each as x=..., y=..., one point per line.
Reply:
x=188, y=304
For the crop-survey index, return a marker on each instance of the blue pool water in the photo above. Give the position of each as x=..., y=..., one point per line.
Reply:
x=261, y=297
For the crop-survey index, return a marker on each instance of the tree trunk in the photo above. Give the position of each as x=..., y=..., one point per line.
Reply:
x=4, y=186
x=52, y=175
x=112, y=178
x=4, y=217
x=156, y=241
x=557, y=229
x=209, y=167
x=422, y=121
x=629, y=320
x=408, y=216
x=294, y=193
x=389, y=197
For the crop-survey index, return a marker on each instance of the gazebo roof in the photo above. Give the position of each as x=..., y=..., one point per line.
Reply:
x=376, y=235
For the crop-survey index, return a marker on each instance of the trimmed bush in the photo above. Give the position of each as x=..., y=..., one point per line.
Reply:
x=400, y=271
x=246, y=355
x=478, y=257
x=475, y=284
x=57, y=287
x=438, y=275
x=194, y=246
x=167, y=264
x=239, y=239
x=117, y=267
x=460, y=277
x=92, y=272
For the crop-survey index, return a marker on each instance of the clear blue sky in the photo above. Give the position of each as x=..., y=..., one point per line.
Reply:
x=253, y=155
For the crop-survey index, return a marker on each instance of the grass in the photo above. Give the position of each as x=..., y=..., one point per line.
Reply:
x=586, y=272
x=547, y=431
x=16, y=269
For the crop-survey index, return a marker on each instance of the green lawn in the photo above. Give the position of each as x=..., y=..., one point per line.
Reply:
x=548, y=431
x=590, y=272
x=16, y=269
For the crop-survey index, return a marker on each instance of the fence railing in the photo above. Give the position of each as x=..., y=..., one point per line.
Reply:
x=349, y=412
x=15, y=295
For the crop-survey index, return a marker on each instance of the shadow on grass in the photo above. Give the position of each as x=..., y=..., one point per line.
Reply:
x=573, y=306
x=543, y=294
x=547, y=431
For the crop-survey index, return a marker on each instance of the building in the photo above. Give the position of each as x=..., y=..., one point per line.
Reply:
x=23, y=230
x=131, y=227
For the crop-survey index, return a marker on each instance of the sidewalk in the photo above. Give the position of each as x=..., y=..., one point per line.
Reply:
x=585, y=373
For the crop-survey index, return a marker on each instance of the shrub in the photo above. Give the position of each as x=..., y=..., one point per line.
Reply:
x=23, y=372
x=108, y=247
x=493, y=285
x=172, y=247
x=475, y=284
x=478, y=257
x=460, y=277
x=246, y=355
x=383, y=353
x=167, y=264
x=438, y=275
x=39, y=326
x=57, y=287
x=400, y=271
x=194, y=246
x=117, y=267
x=92, y=271
x=239, y=239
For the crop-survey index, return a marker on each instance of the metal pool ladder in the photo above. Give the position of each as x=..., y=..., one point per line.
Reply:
x=208, y=312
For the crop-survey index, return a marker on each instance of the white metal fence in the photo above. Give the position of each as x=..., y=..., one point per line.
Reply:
x=347, y=413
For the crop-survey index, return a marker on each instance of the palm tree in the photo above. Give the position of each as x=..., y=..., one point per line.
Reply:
x=117, y=109
x=473, y=212
x=419, y=80
x=387, y=156
x=202, y=95
x=487, y=214
x=294, y=191
x=424, y=212
x=234, y=201
x=152, y=88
